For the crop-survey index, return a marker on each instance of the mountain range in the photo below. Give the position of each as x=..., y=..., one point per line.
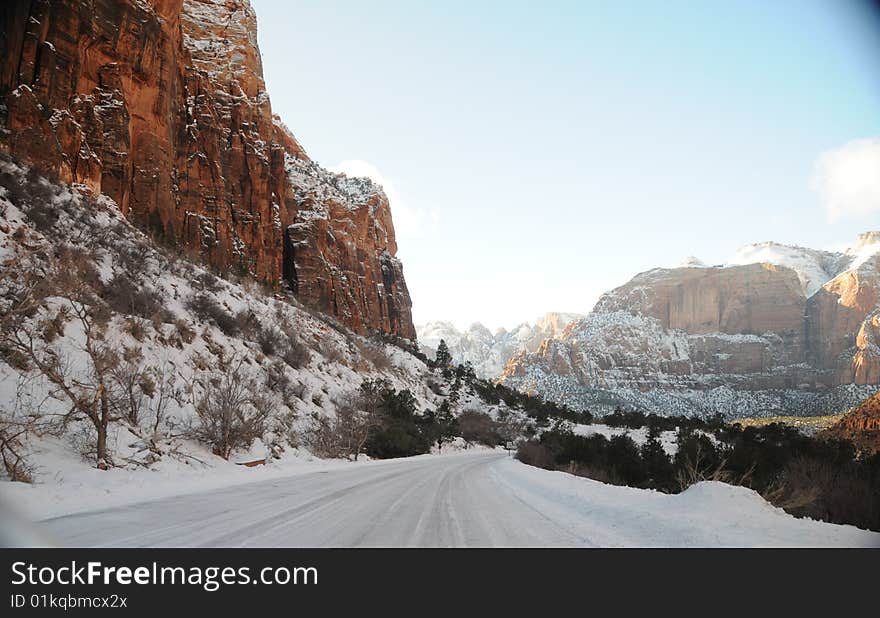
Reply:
x=489, y=352
x=779, y=330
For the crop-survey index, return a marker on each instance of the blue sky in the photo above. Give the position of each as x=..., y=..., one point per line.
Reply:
x=540, y=153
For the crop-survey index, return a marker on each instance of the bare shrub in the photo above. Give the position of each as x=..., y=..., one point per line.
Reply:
x=13, y=434
x=510, y=428
x=696, y=467
x=345, y=434
x=125, y=296
x=136, y=328
x=279, y=382
x=608, y=475
x=133, y=385
x=811, y=487
x=354, y=421
x=270, y=339
x=89, y=392
x=83, y=440
x=535, y=454
x=132, y=258
x=208, y=282
x=248, y=324
x=186, y=332
x=206, y=308
x=44, y=215
x=295, y=353
x=476, y=426
x=331, y=352
x=322, y=438
x=33, y=195
x=232, y=413
x=375, y=354
x=283, y=433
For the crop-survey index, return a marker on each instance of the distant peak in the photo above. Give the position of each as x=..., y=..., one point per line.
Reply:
x=864, y=239
x=691, y=262
x=478, y=327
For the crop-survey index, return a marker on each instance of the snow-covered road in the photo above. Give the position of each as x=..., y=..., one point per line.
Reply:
x=483, y=499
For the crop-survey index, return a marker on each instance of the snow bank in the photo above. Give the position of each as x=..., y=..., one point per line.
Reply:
x=708, y=514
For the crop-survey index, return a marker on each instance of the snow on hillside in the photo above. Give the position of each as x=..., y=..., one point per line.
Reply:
x=180, y=330
x=668, y=439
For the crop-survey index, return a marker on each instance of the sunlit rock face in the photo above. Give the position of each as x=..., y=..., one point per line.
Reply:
x=861, y=426
x=795, y=333
x=161, y=105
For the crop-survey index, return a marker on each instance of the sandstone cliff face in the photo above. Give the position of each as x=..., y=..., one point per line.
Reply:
x=797, y=336
x=339, y=250
x=843, y=322
x=737, y=300
x=861, y=426
x=161, y=105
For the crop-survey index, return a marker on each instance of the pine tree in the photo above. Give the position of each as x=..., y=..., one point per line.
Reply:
x=657, y=462
x=447, y=424
x=443, y=358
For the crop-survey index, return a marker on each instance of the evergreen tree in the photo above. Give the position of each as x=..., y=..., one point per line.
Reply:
x=443, y=425
x=443, y=358
x=466, y=372
x=658, y=466
x=455, y=391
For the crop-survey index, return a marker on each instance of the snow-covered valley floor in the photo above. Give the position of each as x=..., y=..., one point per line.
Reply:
x=483, y=499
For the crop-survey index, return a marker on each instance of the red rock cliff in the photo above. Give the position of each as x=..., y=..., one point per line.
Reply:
x=161, y=105
x=861, y=426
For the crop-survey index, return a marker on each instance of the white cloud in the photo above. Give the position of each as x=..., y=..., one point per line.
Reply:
x=408, y=221
x=848, y=179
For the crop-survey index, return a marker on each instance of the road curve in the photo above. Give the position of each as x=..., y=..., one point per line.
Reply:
x=432, y=502
x=481, y=499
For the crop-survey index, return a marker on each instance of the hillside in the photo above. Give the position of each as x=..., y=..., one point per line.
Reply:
x=118, y=354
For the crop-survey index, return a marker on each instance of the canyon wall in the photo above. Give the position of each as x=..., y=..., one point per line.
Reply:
x=161, y=105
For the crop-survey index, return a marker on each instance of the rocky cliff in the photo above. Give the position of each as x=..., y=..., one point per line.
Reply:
x=161, y=105
x=861, y=426
x=796, y=332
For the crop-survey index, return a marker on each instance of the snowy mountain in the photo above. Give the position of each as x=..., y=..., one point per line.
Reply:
x=814, y=267
x=489, y=352
x=778, y=330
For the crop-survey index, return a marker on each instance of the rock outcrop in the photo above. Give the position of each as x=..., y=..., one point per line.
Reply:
x=861, y=426
x=796, y=333
x=489, y=352
x=161, y=105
